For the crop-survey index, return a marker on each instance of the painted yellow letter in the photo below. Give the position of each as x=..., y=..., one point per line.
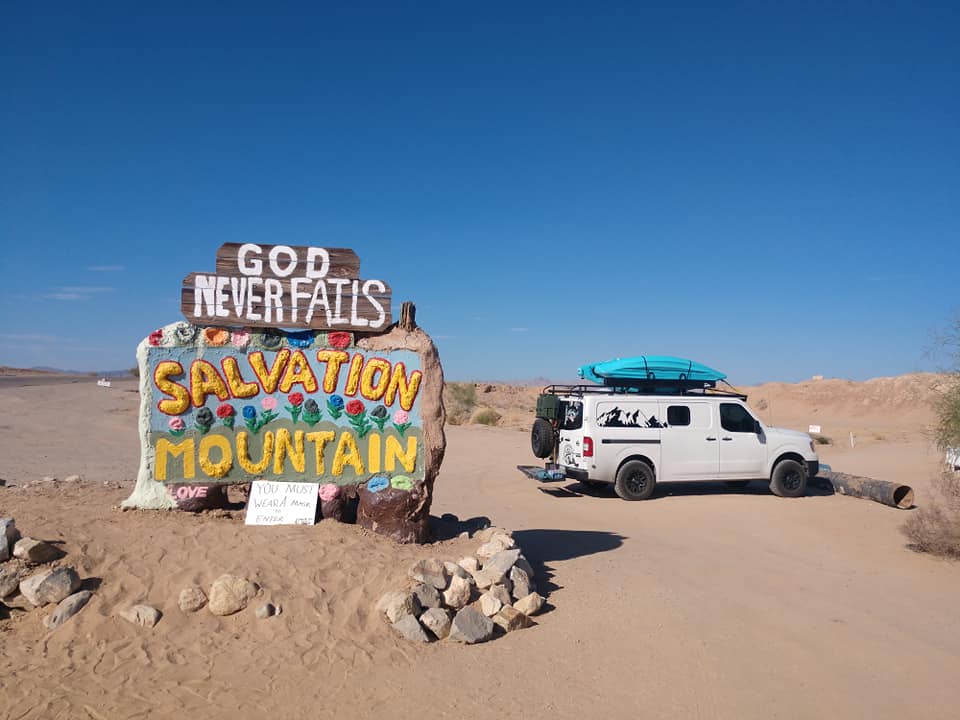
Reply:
x=181, y=396
x=395, y=452
x=183, y=448
x=319, y=440
x=218, y=469
x=243, y=457
x=291, y=448
x=347, y=454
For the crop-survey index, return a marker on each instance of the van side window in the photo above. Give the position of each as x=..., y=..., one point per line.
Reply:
x=735, y=418
x=678, y=415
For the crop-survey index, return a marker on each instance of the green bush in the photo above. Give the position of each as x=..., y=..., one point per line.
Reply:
x=822, y=440
x=460, y=399
x=485, y=416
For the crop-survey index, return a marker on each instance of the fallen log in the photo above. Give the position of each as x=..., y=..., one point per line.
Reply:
x=881, y=491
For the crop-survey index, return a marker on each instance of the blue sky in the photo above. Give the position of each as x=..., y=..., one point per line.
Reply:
x=772, y=191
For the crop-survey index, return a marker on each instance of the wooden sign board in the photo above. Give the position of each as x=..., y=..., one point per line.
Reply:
x=282, y=503
x=286, y=286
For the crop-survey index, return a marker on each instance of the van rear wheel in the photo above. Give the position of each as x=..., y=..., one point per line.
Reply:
x=542, y=438
x=788, y=479
x=635, y=481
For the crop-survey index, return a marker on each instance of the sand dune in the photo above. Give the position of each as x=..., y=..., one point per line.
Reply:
x=702, y=602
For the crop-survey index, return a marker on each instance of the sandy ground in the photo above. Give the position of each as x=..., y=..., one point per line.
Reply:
x=703, y=602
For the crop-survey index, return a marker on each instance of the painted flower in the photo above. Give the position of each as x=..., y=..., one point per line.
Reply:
x=204, y=420
x=185, y=333
x=226, y=413
x=401, y=421
x=269, y=403
x=335, y=406
x=378, y=483
x=177, y=426
x=250, y=418
x=215, y=336
x=302, y=339
x=240, y=338
x=155, y=338
x=311, y=411
x=379, y=415
x=328, y=492
x=358, y=417
x=271, y=340
x=339, y=340
x=294, y=408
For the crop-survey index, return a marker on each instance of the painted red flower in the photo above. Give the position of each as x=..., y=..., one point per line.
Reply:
x=155, y=338
x=354, y=407
x=226, y=410
x=296, y=399
x=339, y=340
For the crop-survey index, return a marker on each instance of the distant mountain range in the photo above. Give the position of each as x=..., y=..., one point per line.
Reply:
x=98, y=373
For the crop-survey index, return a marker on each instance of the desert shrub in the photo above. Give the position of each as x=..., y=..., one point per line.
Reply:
x=822, y=440
x=485, y=416
x=935, y=527
x=135, y=371
x=460, y=399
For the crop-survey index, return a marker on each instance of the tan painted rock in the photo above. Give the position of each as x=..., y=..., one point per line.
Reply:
x=192, y=599
x=143, y=615
x=50, y=586
x=529, y=605
x=458, y=594
x=396, y=603
x=510, y=619
x=437, y=621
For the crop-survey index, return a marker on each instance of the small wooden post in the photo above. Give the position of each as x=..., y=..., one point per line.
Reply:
x=408, y=316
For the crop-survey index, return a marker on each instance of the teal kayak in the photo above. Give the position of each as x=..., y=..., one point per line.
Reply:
x=649, y=367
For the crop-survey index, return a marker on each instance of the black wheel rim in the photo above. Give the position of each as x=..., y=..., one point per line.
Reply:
x=636, y=482
x=792, y=480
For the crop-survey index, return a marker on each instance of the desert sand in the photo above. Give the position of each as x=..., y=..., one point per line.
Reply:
x=703, y=602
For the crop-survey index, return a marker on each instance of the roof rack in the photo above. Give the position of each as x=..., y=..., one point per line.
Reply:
x=647, y=387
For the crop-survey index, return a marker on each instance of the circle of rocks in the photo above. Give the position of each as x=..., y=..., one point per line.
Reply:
x=468, y=600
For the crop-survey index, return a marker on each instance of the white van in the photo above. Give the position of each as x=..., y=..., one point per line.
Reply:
x=636, y=439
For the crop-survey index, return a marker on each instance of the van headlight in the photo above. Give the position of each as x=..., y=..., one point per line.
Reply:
x=811, y=447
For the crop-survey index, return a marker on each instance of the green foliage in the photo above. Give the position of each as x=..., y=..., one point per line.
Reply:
x=460, y=399
x=946, y=432
x=822, y=440
x=485, y=416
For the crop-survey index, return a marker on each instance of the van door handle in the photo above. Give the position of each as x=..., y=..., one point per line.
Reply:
x=726, y=439
x=711, y=439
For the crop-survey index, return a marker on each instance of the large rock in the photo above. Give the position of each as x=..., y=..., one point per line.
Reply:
x=510, y=619
x=488, y=533
x=432, y=572
x=35, y=551
x=453, y=569
x=502, y=561
x=427, y=596
x=411, y=629
x=437, y=621
x=525, y=566
x=489, y=604
x=491, y=548
x=469, y=563
x=529, y=605
x=143, y=615
x=192, y=599
x=399, y=514
x=486, y=577
x=501, y=593
x=396, y=603
x=67, y=608
x=458, y=594
x=9, y=581
x=471, y=626
x=8, y=537
x=50, y=586
x=522, y=585
x=230, y=594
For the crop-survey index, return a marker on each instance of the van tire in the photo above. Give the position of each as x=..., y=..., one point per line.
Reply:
x=635, y=480
x=788, y=479
x=542, y=438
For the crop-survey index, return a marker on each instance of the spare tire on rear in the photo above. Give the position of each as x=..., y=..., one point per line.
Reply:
x=542, y=438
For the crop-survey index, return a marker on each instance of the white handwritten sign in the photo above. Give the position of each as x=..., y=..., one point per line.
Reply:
x=814, y=429
x=282, y=503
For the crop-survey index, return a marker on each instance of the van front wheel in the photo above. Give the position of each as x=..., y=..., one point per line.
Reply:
x=788, y=479
x=635, y=481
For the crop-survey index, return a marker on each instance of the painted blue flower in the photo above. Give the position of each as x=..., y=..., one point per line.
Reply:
x=336, y=401
x=378, y=483
x=249, y=412
x=302, y=339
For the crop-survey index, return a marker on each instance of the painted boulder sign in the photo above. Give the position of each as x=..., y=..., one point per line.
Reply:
x=349, y=402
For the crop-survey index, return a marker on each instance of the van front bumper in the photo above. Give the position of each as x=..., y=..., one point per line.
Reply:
x=813, y=467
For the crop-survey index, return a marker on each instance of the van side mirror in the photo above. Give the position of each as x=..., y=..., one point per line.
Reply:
x=757, y=427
